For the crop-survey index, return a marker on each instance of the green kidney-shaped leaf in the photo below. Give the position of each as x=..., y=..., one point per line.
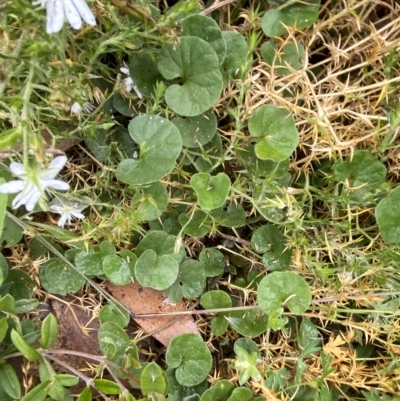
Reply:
x=250, y=323
x=299, y=15
x=387, y=215
x=241, y=394
x=190, y=283
x=60, y=278
x=269, y=240
x=236, y=53
x=197, y=130
x=160, y=144
x=191, y=357
x=364, y=171
x=213, y=260
x=144, y=72
x=220, y=392
x=217, y=299
x=233, y=216
x=153, y=379
x=195, y=61
x=117, y=270
x=12, y=233
x=279, y=134
x=114, y=313
x=283, y=287
x=161, y=243
x=89, y=263
x=113, y=340
x=196, y=224
x=18, y=284
x=285, y=58
x=149, y=203
x=211, y=191
x=207, y=29
x=158, y=272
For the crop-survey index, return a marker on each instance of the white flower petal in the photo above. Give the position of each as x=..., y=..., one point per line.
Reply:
x=124, y=70
x=12, y=187
x=76, y=108
x=33, y=199
x=54, y=168
x=55, y=184
x=77, y=215
x=85, y=12
x=63, y=219
x=58, y=162
x=30, y=190
x=137, y=91
x=55, y=16
x=128, y=84
x=17, y=168
x=72, y=14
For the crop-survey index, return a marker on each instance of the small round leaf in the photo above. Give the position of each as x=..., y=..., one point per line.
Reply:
x=211, y=191
x=158, y=272
x=236, y=52
x=191, y=357
x=207, y=29
x=195, y=61
x=279, y=134
x=197, y=130
x=283, y=287
x=197, y=224
x=388, y=217
x=300, y=15
x=117, y=270
x=160, y=144
x=289, y=55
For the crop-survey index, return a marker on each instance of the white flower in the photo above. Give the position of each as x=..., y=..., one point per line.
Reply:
x=87, y=107
x=68, y=208
x=74, y=11
x=129, y=84
x=33, y=182
x=76, y=108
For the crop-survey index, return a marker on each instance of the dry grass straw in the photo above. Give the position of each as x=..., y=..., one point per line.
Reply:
x=338, y=99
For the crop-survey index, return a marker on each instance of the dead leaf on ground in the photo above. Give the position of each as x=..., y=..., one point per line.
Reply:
x=77, y=332
x=146, y=300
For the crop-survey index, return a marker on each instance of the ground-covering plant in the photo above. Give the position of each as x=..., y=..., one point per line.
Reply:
x=238, y=156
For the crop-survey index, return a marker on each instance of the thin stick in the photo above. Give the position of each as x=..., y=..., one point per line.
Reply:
x=216, y=6
x=237, y=308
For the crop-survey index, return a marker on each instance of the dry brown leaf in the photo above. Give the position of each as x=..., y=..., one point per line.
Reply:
x=146, y=300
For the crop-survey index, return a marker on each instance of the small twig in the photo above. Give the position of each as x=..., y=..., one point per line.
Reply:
x=100, y=359
x=87, y=380
x=222, y=310
x=216, y=6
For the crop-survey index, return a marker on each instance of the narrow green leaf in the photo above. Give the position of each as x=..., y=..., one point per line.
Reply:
x=25, y=305
x=9, y=380
x=3, y=327
x=7, y=304
x=26, y=350
x=49, y=331
x=106, y=386
x=67, y=380
x=38, y=393
x=85, y=395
